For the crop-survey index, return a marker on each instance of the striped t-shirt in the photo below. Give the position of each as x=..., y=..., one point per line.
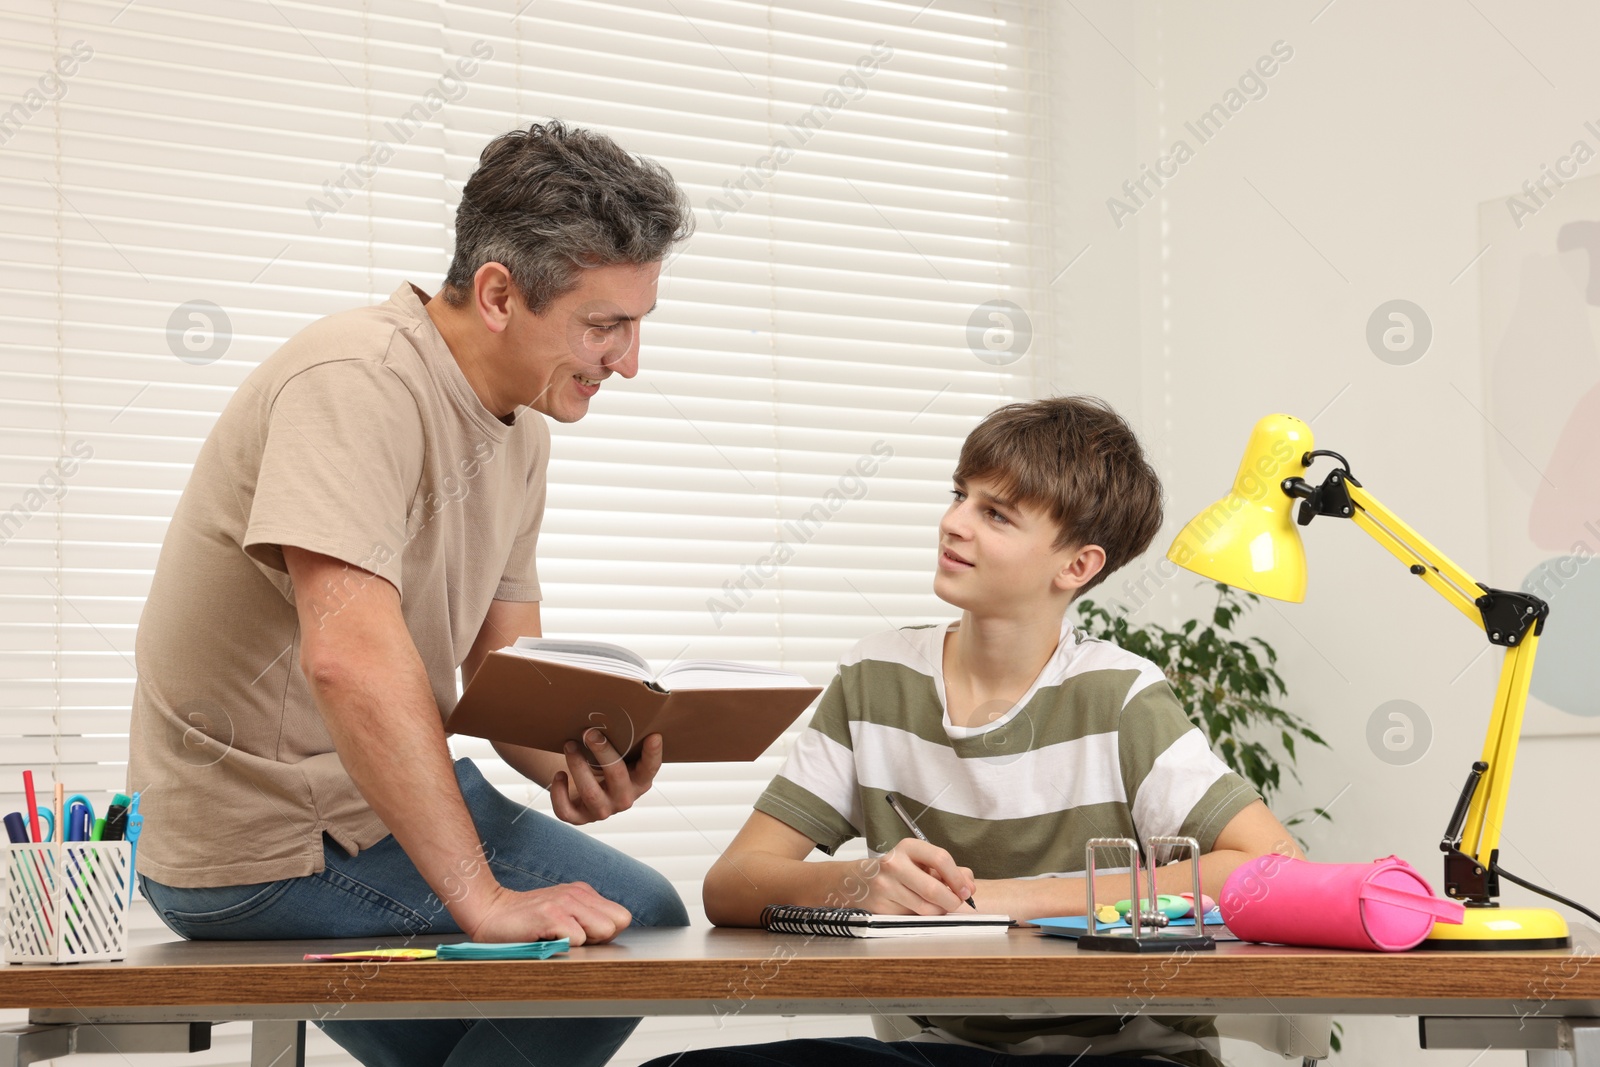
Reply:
x=1097, y=747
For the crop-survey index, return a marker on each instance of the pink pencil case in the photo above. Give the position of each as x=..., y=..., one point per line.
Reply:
x=1384, y=905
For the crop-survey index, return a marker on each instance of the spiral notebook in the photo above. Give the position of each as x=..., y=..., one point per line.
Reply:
x=856, y=922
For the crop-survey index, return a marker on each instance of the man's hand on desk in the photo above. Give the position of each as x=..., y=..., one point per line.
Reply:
x=583, y=787
x=574, y=911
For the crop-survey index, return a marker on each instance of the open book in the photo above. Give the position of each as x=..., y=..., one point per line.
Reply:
x=543, y=692
x=856, y=922
x=684, y=674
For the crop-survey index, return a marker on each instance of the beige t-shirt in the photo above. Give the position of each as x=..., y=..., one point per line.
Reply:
x=359, y=439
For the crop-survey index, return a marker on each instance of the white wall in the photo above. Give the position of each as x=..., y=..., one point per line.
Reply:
x=1355, y=180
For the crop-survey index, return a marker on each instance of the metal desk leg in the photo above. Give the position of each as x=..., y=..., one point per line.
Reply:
x=1586, y=1043
x=43, y=1041
x=30, y=1044
x=277, y=1043
x=1579, y=1046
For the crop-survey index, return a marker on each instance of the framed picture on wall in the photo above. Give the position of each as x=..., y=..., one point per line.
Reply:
x=1541, y=334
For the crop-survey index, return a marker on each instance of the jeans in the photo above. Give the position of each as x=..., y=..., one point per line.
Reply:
x=378, y=895
x=867, y=1052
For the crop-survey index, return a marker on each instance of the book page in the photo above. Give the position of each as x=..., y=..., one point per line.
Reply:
x=901, y=930
x=592, y=655
x=722, y=674
x=954, y=918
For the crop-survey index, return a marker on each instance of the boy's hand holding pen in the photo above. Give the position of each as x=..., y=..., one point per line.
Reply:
x=917, y=876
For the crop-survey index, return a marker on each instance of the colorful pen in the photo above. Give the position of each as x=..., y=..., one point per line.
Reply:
x=33, y=804
x=60, y=811
x=40, y=894
x=898, y=810
x=20, y=833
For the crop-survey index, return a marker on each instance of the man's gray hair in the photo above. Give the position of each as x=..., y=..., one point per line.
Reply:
x=554, y=200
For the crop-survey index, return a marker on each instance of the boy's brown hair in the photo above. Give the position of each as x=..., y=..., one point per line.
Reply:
x=1075, y=458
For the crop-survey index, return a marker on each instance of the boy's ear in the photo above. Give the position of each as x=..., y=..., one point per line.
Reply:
x=1086, y=562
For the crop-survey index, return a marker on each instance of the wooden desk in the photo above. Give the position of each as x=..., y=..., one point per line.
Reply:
x=1533, y=1000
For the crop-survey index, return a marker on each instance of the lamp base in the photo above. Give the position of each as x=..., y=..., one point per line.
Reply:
x=1500, y=929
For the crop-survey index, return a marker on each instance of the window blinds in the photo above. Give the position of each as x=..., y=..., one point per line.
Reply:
x=189, y=183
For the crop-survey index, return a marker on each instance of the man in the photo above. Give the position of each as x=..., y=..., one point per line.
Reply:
x=360, y=523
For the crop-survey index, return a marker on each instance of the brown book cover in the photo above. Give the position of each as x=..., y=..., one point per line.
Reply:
x=541, y=704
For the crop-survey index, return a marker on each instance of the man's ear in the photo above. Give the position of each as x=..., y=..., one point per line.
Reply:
x=1079, y=571
x=494, y=296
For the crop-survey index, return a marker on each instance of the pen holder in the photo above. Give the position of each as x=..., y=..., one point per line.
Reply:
x=67, y=903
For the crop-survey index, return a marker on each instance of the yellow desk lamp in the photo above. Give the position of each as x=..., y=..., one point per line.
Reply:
x=1248, y=540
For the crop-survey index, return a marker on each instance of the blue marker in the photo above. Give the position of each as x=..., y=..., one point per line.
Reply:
x=77, y=822
x=72, y=824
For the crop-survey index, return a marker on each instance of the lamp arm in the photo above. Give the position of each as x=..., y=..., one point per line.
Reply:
x=1513, y=620
x=1423, y=560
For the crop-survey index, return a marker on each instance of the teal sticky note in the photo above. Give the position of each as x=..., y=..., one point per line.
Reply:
x=510, y=950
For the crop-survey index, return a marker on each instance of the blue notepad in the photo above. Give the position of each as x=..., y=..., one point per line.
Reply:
x=1074, y=926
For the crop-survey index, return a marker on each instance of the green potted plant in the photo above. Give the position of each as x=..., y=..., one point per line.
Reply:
x=1226, y=683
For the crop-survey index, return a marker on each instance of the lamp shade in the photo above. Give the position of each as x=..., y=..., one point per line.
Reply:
x=1248, y=538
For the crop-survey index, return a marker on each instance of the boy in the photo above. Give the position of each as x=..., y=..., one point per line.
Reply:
x=1011, y=739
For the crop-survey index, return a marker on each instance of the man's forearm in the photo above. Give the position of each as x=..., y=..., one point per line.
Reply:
x=536, y=765
x=385, y=724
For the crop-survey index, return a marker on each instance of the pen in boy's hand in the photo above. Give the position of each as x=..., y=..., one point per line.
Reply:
x=898, y=810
